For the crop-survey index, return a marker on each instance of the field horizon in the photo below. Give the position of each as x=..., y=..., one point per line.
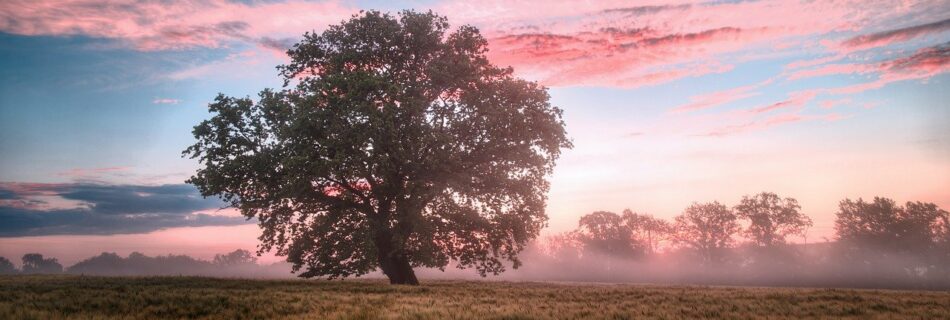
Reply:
x=95, y=297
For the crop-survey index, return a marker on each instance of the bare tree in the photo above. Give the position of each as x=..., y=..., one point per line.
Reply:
x=647, y=230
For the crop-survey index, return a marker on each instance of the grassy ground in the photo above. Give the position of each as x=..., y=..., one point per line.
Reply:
x=75, y=297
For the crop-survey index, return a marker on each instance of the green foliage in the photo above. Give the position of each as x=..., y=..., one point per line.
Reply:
x=771, y=218
x=400, y=146
x=58, y=297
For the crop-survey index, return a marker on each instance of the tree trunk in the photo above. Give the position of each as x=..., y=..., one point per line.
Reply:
x=395, y=265
x=401, y=272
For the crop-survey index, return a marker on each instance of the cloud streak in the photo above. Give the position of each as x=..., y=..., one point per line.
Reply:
x=608, y=43
x=170, y=25
x=717, y=98
x=34, y=209
x=604, y=43
x=897, y=35
x=769, y=122
x=166, y=101
x=923, y=64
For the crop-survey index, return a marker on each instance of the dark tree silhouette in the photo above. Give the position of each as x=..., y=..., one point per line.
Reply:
x=771, y=218
x=941, y=230
x=883, y=224
x=605, y=232
x=235, y=263
x=106, y=263
x=400, y=146
x=707, y=228
x=34, y=263
x=235, y=258
x=7, y=267
x=647, y=230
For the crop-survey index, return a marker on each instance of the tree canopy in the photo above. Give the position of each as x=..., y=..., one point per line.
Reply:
x=646, y=229
x=771, y=218
x=34, y=263
x=605, y=232
x=706, y=227
x=237, y=257
x=884, y=224
x=7, y=267
x=399, y=146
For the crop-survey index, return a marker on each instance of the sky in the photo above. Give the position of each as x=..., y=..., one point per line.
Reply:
x=667, y=103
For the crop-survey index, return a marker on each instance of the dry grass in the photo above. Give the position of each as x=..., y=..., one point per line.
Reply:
x=75, y=297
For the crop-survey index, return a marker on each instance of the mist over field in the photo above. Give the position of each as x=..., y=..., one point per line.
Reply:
x=815, y=265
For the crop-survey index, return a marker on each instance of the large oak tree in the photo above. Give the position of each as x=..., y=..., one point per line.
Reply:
x=394, y=144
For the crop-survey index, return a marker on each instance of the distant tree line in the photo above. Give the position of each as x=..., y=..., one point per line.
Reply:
x=236, y=263
x=877, y=243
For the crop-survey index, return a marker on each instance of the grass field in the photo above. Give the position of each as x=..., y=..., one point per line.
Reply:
x=75, y=297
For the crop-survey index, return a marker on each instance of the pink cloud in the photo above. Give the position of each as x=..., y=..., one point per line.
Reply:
x=884, y=38
x=772, y=121
x=613, y=44
x=812, y=62
x=796, y=99
x=25, y=189
x=602, y=43
x=832, y=69
x=720, y=97
x=828, y=104
x=37, y=196
x=176, y=24
x=663, y=76
x=611, y=57
x=922, y=65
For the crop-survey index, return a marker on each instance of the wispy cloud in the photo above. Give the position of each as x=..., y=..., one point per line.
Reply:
x=884, y=38
x=603, y=43
x=923, y=64
x=769, y=122
x=828, y=104
x=610, y=43
x=165, y=101
x=720, y=97
x=796, y=99
x=173, y=24
x=92, y=173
